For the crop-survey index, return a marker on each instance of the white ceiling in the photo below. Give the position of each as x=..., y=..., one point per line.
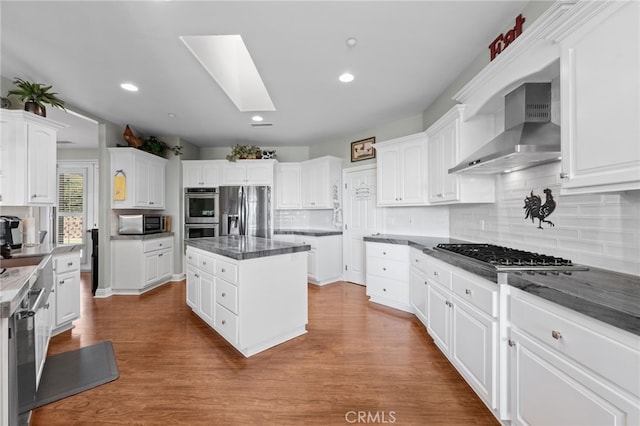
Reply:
x=407, y=54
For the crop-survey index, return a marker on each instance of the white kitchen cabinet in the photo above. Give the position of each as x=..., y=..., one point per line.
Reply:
x=288, y=186
x=248, y=172
x=201, y=173
x=447, y=138
x=65, y=299
x=324, y=260
x=139, y=265
x=462, y=318
x=418, y=284
x=388, y=275
x=321, y=182
x=401, y=171
x=552, y=347
x=43, y=325
x=28, y=164
x=599, y=98
x=255, y=306
x=145, y=178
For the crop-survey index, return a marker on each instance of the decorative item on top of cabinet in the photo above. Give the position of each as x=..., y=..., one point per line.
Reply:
x=402, y=178
x=27, y=159
x=448, y=138
x=599, y=98
x=35, y=96
x=145, y=178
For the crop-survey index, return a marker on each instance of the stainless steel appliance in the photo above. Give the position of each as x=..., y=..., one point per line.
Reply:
x=140, y=224
x=201, y=205
x=200, y=230
x=11, y=231
x=505, y=259
x=245, y=210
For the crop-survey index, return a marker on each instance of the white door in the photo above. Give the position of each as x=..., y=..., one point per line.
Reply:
x=362, y=217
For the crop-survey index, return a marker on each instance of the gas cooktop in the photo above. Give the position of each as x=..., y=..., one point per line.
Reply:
x=505, y=259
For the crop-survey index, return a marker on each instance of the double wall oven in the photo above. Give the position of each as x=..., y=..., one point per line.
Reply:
x=201, y=212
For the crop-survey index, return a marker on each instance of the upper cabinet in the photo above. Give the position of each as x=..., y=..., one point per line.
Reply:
x=247, y=172
x=321, y=181
x=447, y=138
x=402, y=175
x=143, y=185
x=27, y=159
x=201, y=173
x=599, y=96
x=288, y=186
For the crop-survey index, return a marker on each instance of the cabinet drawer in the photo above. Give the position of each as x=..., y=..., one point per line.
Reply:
x=206, y=264
x=157, y=244
x=66, y=264
x=578, y=340
x=227, y=271
x=388, y=251
x=418, y=260
x=304, y=239
x=226, y=324
x=439, y=272
x=389, y=289
x=227, y=295
x=387, y=268
x=481, y=295
x=192, y=258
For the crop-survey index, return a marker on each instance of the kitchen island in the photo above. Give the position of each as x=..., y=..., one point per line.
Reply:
x=252, y=291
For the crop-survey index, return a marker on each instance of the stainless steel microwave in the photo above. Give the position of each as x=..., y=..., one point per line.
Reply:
x=140, y=224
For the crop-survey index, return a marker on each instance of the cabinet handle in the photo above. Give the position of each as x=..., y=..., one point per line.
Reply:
x=204, y=263
x=224, y=322
x=160, y=255
x=564, y=175
x=222, y=270
x=46, y=306
x=61, y=282
x=150, y=202
x=196, y=275
x=556, y=334
x=224, y=294
x=70, y=264
x=467, y=291
x=512, y=343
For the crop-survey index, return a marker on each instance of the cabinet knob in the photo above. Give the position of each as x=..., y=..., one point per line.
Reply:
x=425, y=283
x=46, y=306
x=34, y=196
x=160, y=244
x=384, y=253
x=556, y=334
x=384, y=269
x=224, y=294
x=384, y=289
x=467, y=291
x=417, y=261
x=222, y=270
x=150, y=202
x=61, y=282
x=204, y=263
x=70, y=264
x=564, y=175
x=436, y=273
x=224, y=322
x=160, y=255
x=512, y=343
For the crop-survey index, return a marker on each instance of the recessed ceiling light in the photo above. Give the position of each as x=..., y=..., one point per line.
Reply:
x=346, y=77
x=129, y=87
x=507, y=171
x=257, y=118
x=171, y=115
x=351, y=42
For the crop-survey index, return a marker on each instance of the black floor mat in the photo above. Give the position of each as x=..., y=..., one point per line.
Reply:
x=76, y=371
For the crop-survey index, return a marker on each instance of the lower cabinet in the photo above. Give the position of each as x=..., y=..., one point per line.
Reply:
x=138, y=265
x=388, y=275
x=65, y=297
x=324, y=260
x=418, y=284
x=42, y=323
x=592, y=368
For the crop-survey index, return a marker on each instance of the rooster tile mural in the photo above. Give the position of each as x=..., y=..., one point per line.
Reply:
x=535, y=209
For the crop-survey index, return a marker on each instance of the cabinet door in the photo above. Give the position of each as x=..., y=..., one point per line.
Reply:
x=449, y=158
x=547, y=390
x=151, y=261
x=388, y=175
x=165, y=263
x=418, y=287
x=67, y=297
x=192, y=287
x=8, y=162
x=207, y=298
x=473, y=345
x=142, y=174
x=211, y=175
x=233, y=173
x=436, y=168
x=411, y=174
x=41, y=165
x=259, y=173
x=439, y=317
x=289, y=188
x=599, y=84
x=156, y=185
x=192, y=176
x=322, y=185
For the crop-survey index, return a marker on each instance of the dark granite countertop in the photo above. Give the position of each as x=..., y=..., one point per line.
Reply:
x=44, y=249
x=309, y=232
x=142, y=237
x=608, y=296
x=242, y=248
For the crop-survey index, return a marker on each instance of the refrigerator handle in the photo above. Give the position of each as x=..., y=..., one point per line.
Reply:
x=243, y=212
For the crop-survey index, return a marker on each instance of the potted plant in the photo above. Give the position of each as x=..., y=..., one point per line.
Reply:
x=155, y=146
x=35, y=96
x=244, y=152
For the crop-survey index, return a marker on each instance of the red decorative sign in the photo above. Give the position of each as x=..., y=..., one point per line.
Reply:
x=503, y=40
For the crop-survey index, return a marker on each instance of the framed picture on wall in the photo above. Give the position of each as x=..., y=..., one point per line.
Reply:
x=363, y=149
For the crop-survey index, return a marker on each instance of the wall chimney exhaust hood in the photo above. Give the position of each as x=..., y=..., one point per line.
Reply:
x=530, y=138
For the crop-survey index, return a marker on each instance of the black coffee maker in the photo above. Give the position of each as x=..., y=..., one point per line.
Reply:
x=11, y=231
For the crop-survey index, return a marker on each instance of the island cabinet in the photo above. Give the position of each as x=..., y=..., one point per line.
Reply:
x=144, y=179
x=64, y=301
x=401, y=171
x=201, y=173
x=592, y=368
x=462, y=318
x=254, y=304
x=140, y=264
x=599, y=97
x=448, y=137
x=27, y=159
x=388, y=275
x=247, y=172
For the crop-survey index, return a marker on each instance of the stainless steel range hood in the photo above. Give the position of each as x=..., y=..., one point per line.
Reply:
x=531, y=138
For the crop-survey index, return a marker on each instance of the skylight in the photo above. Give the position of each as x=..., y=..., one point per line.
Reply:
x=228, y=61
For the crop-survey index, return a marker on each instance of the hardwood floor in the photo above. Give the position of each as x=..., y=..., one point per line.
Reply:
x=356, y=357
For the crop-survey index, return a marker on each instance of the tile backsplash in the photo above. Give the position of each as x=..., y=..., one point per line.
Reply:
x=600, y=230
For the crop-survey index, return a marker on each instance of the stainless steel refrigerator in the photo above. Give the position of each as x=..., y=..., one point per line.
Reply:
x=245, y=210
